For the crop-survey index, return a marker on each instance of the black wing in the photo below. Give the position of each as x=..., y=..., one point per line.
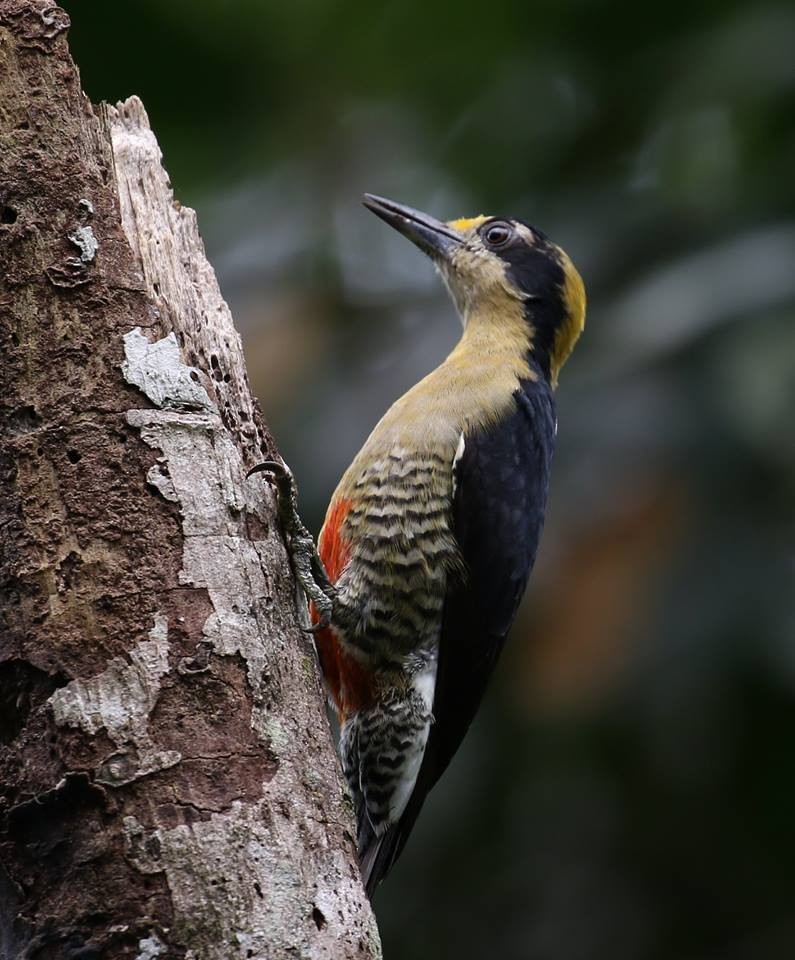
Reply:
x=498, y=513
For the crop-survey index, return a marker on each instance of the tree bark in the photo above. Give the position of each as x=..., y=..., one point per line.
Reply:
x=168, y=785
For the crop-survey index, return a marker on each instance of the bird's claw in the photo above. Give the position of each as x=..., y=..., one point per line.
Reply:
x=307, y=565
x=270, y=466
x=323, y=609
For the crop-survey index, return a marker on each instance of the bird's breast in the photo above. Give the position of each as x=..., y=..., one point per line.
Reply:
x=393, y=551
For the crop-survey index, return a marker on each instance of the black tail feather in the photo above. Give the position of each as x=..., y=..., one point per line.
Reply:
x=377, y=856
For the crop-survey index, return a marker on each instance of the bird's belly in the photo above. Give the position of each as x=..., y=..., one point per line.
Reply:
x=381, y=643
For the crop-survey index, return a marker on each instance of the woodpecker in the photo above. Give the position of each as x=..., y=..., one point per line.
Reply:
x=431, y=534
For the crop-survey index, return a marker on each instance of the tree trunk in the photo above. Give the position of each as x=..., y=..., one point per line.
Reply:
x=168, y=785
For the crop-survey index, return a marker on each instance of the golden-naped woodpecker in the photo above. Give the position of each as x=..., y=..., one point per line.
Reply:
x=432, y=532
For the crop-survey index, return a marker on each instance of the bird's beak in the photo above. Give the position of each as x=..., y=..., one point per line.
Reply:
x=432, y=236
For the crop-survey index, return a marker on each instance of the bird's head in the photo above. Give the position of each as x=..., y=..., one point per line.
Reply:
x=498, y=269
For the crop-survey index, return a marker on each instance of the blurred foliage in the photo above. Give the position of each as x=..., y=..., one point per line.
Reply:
x=628, y=790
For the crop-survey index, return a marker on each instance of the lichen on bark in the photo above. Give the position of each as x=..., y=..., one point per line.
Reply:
x=169, y=787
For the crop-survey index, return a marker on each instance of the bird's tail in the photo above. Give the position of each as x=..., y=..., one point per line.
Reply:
x=377, y=854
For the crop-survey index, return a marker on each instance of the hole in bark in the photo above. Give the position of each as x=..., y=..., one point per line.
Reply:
x=24, y=419
x=95, y=919
x=194, y=376
x=22, y=688
x=8, y=215
x=49, y=823
x=258, y=890
x=319, y=918
x=73, y=456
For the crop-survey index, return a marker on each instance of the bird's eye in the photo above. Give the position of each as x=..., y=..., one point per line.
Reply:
x=497, y=234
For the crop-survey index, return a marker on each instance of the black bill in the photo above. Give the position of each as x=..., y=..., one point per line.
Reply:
x=432, y=236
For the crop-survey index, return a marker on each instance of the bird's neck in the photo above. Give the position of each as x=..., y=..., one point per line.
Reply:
x=474, y=387
x=495, y=339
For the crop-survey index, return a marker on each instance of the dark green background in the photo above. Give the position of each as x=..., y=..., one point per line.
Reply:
x=628, y=791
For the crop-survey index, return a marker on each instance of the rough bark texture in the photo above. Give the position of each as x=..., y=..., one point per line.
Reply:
x=168, y=787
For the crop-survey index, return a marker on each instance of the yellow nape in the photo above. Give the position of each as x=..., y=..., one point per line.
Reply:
x=465, y=224
x=574, y=304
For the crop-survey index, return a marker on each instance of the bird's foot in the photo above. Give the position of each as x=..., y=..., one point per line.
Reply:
x=306, y=562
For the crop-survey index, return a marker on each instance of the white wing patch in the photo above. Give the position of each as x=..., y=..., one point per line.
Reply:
x=425, y=684
x=459, y=452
